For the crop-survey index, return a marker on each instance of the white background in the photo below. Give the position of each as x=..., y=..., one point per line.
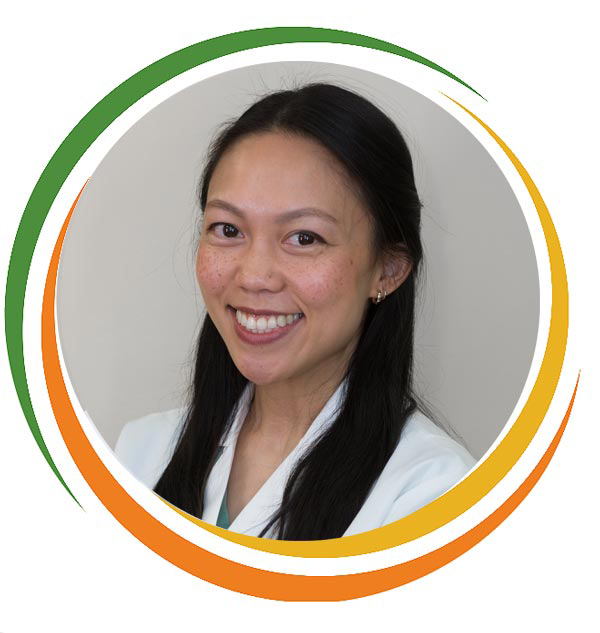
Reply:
x=62, y=569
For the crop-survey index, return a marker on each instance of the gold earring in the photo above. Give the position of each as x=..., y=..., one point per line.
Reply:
x=380, y=297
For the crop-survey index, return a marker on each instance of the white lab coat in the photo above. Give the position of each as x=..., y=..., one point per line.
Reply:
x=424, y=465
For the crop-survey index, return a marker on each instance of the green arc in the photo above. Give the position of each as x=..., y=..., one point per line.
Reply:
x=95, y=122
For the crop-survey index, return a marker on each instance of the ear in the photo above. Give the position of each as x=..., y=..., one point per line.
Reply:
x=393, y=271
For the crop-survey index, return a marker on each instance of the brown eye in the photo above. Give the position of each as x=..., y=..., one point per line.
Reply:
x=229, y=230
x=222, y=229
x=305, y=239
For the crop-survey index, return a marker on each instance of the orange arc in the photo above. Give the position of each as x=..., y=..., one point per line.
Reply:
x=209, y=566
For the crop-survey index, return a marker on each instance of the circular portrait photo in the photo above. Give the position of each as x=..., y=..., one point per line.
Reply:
x=299, y=300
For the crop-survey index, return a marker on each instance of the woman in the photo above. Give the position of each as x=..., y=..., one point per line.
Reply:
x=302, y=423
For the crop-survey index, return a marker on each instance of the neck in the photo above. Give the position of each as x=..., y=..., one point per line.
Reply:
x=286, y=410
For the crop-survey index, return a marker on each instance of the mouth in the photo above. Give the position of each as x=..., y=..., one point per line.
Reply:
x=262, y=326
x=262, y=322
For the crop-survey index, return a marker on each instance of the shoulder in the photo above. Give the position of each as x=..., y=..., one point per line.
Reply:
x=424, y=445
x=426, y=463
x=146, y=444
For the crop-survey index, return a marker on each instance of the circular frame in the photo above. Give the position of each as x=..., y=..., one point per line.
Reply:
x=147, y=528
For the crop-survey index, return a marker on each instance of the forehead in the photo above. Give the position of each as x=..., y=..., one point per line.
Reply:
x=276, y=171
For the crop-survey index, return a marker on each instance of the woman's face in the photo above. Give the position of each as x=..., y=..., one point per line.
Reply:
x=285, y=261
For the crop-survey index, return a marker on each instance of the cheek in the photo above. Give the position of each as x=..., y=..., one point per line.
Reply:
x=331, y=284
x=212, y=270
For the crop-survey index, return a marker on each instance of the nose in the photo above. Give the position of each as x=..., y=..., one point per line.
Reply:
x=258, y=269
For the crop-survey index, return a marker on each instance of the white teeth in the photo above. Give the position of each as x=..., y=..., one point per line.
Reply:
x=265, y=324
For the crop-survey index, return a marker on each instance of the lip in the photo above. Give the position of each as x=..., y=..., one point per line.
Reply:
x=265, y=338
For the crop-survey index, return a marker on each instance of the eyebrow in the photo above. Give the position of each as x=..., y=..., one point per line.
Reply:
x=282, y=218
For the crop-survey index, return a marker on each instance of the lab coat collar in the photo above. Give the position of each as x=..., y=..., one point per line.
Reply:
x=253, y=518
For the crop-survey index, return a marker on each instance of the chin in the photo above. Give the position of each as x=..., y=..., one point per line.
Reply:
x=257, y=374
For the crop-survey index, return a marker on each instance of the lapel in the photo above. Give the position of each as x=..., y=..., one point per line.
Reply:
x=219, y=475
x=252, y=519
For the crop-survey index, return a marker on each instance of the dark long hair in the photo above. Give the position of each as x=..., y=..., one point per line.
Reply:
x=331, y=482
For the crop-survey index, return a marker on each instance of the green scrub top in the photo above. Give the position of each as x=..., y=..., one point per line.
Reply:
x=223, y=518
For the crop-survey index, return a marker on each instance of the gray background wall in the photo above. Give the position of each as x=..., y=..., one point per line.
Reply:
x=128, y=308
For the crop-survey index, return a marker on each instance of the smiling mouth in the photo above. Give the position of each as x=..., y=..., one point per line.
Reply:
x=264, y=323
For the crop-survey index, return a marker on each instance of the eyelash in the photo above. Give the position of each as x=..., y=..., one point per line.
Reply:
x=213, y=229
